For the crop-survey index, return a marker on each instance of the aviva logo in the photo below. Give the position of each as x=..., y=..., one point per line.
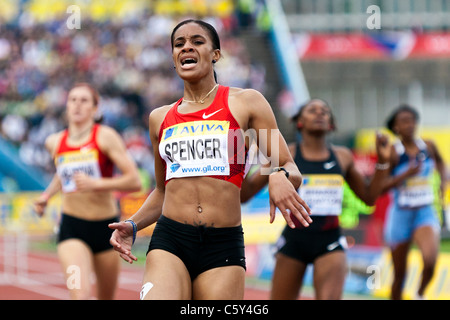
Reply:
x=195, y=128
x=77, y=156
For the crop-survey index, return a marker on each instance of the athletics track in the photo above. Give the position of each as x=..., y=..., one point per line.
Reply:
x=37, y=275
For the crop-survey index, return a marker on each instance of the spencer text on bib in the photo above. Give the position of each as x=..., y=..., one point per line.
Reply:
x=196, y=148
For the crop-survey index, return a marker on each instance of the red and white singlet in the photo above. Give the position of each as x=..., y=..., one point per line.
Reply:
x=87, y=158
x=208, y=142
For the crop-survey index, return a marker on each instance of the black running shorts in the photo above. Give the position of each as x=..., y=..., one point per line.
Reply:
x=306, y=246
x=95, y=234
x=200, y=248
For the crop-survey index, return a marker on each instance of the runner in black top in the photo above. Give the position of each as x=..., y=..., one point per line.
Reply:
x=329, y=201
x=324, y=168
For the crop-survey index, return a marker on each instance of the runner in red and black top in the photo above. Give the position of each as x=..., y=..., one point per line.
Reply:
x=197, y=248
x=87, y=158
x=208, y=142
x=324, y=169
x=85, y=155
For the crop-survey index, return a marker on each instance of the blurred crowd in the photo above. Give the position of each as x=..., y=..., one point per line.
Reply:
x=128, y=60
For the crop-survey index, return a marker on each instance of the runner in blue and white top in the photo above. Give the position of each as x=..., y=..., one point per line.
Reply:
x=412, y=215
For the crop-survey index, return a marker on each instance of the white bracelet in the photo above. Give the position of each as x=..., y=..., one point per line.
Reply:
x=382, y=166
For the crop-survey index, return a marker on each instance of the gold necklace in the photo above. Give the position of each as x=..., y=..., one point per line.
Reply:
x=202, y=101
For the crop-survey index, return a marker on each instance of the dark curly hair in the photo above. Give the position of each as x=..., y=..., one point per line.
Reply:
x=390, y=122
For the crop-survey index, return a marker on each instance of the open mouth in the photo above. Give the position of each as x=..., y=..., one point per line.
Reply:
x=189, y=61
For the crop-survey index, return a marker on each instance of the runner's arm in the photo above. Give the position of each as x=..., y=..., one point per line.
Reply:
x=151, y=209
x=369, y=192
x=282, y=186
x=54, y=186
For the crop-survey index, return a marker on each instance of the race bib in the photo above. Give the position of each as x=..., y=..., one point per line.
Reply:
x=417, y=192
x=197, y=148
x=69, y=163
x=323, y=193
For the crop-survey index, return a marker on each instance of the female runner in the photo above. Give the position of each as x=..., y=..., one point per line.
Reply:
x=325, y=168
x=412, y=215
x=85, y=155
x=197, y=248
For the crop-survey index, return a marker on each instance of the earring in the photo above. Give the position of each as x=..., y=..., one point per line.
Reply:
x=214, y=61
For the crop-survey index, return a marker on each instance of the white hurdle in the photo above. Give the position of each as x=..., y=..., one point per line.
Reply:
x=14, y=256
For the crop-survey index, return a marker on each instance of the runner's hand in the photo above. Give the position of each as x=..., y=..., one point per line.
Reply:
x=84, y=183
x=284, y=197
x=122, y=240
x=383, y=147
x=40, y=204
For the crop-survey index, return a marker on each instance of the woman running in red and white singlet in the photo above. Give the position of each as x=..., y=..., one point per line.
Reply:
x=197, y=248
x=85, y=155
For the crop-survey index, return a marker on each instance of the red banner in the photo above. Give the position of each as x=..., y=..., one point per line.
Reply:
x=389, y=45
x=432, y=46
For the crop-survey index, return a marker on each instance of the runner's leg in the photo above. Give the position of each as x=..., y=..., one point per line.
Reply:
x=330, y=270
x=287, y=278
x=223, y=283
x=168, y=277
x=76, y=260
x=107, y=268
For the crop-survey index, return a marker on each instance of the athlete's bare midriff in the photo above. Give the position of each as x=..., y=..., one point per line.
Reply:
x=90, y=205
x=203, y=201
